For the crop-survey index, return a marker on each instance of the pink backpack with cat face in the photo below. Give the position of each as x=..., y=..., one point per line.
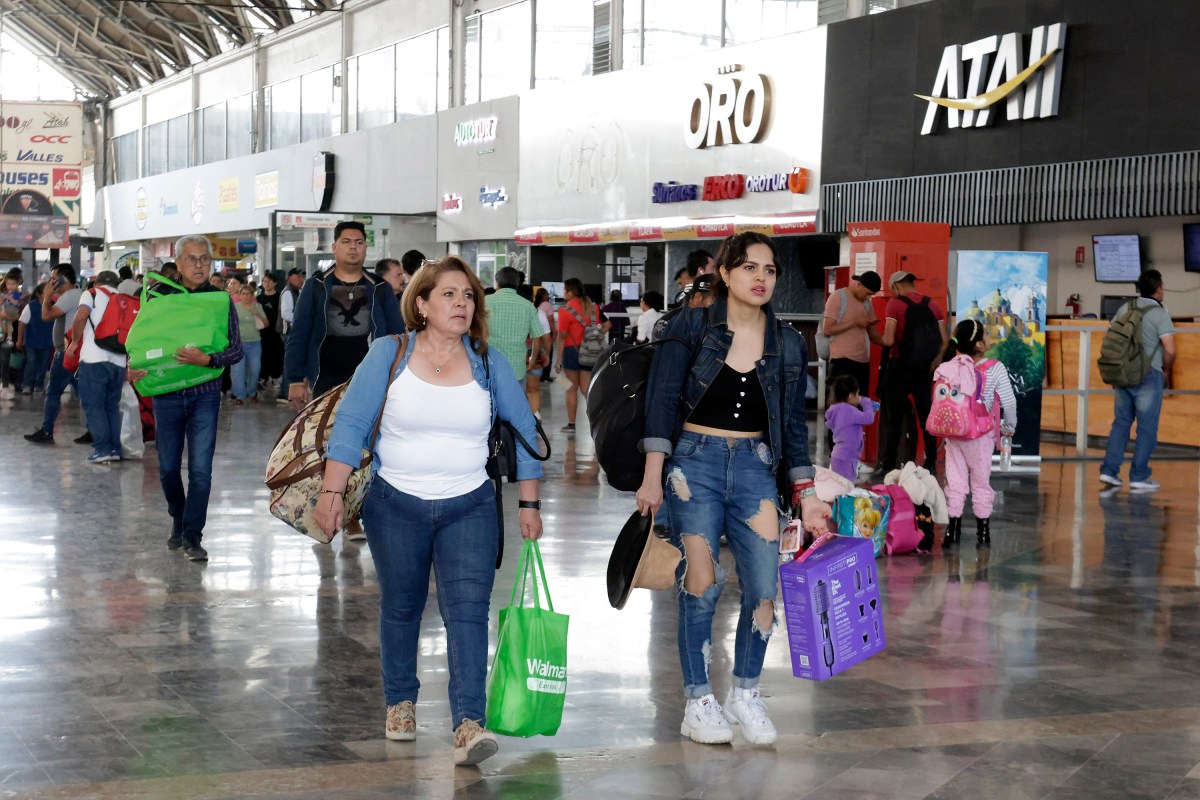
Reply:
x=958, y=411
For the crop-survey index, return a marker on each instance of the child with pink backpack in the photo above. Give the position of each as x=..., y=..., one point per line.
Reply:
x=969, y=392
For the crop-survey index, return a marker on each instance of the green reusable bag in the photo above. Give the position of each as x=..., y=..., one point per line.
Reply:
x=168, y=322
x=528, y=681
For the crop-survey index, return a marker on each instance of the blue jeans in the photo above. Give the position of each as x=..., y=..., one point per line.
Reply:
x=37, y=361
x=244, y=374
x=193, y=417
x=724, y=486
x=100, y=392
x=459, y=538
x=60, y=379
x=1143, y=403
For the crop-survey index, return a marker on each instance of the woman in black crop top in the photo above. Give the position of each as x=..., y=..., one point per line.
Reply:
x=724, y=412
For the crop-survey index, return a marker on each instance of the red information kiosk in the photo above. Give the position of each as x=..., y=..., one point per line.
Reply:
x=922, y=248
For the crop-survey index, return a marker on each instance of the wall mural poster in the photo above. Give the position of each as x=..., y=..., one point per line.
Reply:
x=1007, y=292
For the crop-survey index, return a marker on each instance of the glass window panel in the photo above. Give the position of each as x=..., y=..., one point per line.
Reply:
x=156, y=149
x=417, y=76
x=316, y=105
x=443, y=68
x=471, y=59
x=376, y=88
x=752, y=20
x=283, y=101
x=504, y=51
x=678, y=28
x=179, y=139
x=125, y=153
x=564, y=40
x=239, y=127
x=212, y=133
x=631, y=32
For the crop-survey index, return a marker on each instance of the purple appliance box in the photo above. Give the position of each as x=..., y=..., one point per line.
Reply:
x=832, y=608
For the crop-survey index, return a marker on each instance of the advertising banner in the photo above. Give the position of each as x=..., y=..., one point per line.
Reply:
x=41, y=149
x=1006, y=292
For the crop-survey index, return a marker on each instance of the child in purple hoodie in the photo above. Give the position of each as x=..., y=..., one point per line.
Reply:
x=846, y=420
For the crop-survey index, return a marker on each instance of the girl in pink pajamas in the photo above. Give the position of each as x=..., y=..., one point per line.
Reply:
x=969, y=461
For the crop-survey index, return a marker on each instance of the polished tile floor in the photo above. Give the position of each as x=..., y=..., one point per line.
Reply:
x=1064, y=663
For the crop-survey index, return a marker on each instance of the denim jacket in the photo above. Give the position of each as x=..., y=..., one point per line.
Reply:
x=678, y=380
x=355, y=421
x=302, y=351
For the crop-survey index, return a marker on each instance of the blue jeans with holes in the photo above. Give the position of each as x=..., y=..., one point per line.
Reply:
x=1143, y=403
x=717, y=486
x=458, y=538
x=100, y=393
x=192, y=418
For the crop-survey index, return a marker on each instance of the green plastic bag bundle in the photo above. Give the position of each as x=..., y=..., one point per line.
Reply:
x=168, y=322
x=528, y=681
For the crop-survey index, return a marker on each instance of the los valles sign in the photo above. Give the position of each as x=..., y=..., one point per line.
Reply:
x=41, y=150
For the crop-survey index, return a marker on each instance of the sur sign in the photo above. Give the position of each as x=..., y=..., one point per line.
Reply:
x=1029, y=88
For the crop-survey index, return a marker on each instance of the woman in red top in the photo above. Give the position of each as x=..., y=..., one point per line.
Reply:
x=570, y=336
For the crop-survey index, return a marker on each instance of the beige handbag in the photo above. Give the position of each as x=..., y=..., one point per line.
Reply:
x=296, y=468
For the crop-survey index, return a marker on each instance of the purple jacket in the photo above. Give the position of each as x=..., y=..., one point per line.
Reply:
x=846, y=422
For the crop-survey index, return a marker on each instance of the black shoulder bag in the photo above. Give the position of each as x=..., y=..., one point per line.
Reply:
x=502, y=457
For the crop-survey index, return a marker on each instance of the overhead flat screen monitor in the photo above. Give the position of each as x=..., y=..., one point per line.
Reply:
x=555, y=288
x=629, y=291
x=1191, y=247
x=1118, y=258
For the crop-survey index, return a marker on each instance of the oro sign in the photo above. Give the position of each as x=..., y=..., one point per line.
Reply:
x=734, y=109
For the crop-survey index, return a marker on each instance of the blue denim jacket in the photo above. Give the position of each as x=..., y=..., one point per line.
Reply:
x=355, y=421
x=678, y=380
x=302, y=350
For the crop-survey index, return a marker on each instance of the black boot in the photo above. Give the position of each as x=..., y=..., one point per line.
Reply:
x=983, y=532
x=953, y=532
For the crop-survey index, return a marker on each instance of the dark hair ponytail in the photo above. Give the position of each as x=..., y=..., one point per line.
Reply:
x=967, y=336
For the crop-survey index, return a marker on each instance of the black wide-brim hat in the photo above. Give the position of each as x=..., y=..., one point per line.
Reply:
x=640, y=560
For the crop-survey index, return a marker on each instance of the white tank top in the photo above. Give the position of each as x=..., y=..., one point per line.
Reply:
x=433, y=439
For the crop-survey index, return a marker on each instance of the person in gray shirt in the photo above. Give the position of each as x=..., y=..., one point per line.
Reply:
x=64, y=299
x=1144, y=401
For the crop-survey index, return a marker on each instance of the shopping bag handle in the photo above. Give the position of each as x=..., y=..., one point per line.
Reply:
x=530, y=552
x=160, y=279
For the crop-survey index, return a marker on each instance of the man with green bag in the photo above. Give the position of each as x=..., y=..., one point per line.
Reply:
x=202, y=338
x=528, y=682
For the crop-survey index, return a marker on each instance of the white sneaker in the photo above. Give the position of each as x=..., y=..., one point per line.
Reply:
x=1148, y=485
x=1111, y=480
x=745, y=707
x=703, y=721
x=7, y=393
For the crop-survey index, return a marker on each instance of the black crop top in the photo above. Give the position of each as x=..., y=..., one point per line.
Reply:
x=733, y=402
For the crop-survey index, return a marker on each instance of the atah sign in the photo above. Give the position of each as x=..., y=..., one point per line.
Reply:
x=1030, y=92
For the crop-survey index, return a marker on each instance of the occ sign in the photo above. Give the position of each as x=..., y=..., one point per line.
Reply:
x=734, y=109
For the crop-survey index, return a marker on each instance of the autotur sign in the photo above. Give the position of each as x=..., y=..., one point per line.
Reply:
x=1030, y=88
x=734, y=109
x=476, y=131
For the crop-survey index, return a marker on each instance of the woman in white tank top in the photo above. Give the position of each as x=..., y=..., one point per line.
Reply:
x=430, y=502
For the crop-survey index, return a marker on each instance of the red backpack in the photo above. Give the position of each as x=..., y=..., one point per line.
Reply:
x=116, y=321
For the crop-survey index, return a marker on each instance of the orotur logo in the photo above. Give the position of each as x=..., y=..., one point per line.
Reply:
x=1032, y=92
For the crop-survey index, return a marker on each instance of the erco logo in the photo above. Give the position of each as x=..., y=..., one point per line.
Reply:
x=724, y=187
x=734, y=109
x=39, y=139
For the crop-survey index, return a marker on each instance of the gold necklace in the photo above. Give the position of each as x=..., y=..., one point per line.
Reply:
x=437, y=368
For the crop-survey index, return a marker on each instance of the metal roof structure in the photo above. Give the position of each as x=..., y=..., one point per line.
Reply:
x=112, y=47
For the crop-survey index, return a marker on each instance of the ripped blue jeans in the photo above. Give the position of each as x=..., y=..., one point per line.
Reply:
x=724, y=486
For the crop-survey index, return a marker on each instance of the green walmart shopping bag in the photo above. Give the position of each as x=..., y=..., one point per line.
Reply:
x=168, y=322
x=528, y=681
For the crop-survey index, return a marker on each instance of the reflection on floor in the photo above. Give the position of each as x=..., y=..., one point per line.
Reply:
x=1064, y=662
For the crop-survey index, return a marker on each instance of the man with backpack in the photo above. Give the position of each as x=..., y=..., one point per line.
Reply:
x=59, y=307
x=915, y=333
x=1135, y=359
x=102, y=361
x=849, y=324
